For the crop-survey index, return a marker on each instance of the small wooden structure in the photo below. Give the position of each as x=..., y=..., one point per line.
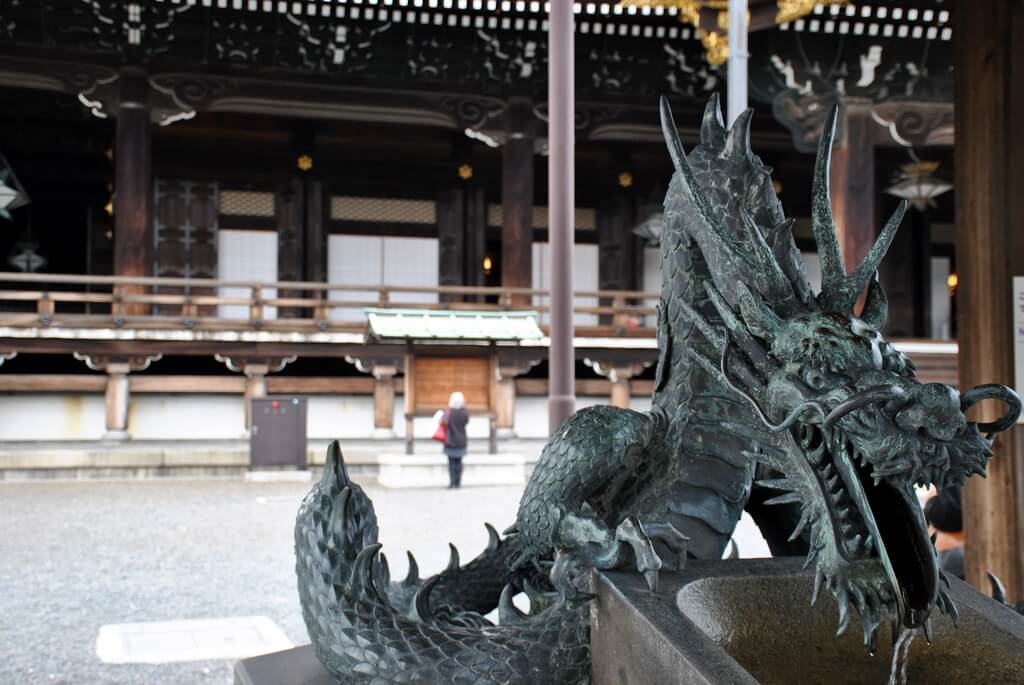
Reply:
x=469, y=366
x=430, y=380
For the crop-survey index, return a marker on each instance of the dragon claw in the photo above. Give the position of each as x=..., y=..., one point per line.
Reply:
x=641, y=536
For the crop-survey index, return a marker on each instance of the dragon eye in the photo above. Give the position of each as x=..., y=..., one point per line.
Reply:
x=814, y=379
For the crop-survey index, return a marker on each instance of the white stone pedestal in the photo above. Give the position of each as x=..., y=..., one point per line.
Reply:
x=431, y=470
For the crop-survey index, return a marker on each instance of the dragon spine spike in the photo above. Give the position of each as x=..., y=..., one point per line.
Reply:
x=509, y=613
x=421, y=600
x=382, y=574
x=754, y=349
x=493, y=540
x=361, y=578
x=413, y=576
x=453, y=558
x=737, y=141
x=712, y=127
x=759, y=317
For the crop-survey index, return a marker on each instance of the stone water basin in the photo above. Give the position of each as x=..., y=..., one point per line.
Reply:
x=750, y=621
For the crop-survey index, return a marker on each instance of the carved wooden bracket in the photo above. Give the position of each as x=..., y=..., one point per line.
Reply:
x=117, y=364
x=616, y=372
x=254, y=365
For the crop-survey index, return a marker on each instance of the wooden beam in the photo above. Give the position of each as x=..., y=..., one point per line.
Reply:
x=989, y=155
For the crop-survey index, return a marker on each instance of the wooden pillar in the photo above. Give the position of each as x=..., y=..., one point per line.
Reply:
x=116, y=399
x=989, y=157
x=852, y=182
x=255, y=387
x=384, y=400
x=290, y=208
x=315, y=238
x=505, y=395
x=133, y=185
x=450, y=239
x=517, y=197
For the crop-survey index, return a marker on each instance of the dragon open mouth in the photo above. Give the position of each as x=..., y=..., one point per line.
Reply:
x=875, y=519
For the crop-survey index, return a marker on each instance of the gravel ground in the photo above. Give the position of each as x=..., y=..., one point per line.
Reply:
x=78, y=555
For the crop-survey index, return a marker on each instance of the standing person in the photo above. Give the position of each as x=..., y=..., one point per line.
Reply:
x=456, y=419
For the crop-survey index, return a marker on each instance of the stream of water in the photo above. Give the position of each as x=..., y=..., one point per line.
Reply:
x=900, y=657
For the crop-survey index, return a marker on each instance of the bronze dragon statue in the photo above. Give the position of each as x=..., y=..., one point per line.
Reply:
x=761, y=384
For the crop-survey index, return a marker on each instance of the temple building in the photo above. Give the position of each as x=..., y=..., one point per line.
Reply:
x=399, y=146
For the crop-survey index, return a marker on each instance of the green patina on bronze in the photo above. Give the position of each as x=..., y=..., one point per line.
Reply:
x=761, y=383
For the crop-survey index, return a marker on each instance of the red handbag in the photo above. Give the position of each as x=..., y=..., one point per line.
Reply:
x=441, y=434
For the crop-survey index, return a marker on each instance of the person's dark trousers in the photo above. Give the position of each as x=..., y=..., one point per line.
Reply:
x=455, y=471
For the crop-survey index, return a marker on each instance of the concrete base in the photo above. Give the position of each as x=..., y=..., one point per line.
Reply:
x=384, y=434
x=296, y=666
x=750, y=621
x=426, y=471
x=116, y=436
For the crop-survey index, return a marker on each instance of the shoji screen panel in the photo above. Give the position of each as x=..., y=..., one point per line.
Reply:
x=354, y=260
x=246, y=256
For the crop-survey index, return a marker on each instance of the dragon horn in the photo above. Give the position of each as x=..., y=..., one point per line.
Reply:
x=833, y=269
x=859, y=279
x=712, y=127
x=876, y=306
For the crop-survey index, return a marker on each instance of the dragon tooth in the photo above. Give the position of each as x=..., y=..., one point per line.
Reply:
x=833, y=482
x=928, y=630
x=858, y=540
x=844, y=612
x=453, y=558
x=787, y=498
x=818, y=577
x=805, y=516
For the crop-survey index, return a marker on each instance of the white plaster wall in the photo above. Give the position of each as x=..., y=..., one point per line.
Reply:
x=51, y=417
x=48, y=417
x=185, y=417
x=330, y=417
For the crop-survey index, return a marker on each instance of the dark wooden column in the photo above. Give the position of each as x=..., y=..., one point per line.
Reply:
x=133, y=184
x=517, y=195
x=616, y=247
x=289, y=204
x=450, y=238
x=475, y=231
x=989, y=154
x=315, y=238
x=853, y=184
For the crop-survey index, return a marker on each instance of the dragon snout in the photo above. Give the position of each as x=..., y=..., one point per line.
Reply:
x=933, y=409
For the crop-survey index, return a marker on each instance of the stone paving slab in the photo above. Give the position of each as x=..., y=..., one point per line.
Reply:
x=78, y=555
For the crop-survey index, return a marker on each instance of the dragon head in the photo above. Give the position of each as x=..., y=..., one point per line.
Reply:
x=834, y=408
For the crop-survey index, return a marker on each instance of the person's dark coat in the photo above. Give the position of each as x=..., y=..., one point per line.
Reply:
x=456, y=435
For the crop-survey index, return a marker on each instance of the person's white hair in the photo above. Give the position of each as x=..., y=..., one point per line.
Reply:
x=456, y=400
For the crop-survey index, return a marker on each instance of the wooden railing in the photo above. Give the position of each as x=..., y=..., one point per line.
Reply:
x=33, y=300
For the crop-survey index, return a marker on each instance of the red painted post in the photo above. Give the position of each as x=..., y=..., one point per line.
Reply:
x=561, y=210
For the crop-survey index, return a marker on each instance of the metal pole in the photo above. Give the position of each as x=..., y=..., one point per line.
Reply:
x=737, y=80
x=561, y=208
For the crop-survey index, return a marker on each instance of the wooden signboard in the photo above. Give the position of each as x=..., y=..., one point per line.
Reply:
x=430, y=381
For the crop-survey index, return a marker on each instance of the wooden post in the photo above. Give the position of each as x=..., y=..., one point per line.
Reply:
x=505, y=396
x=133, y=186
x=517, y=198
x=384, y=400
x=852, y=182
x=989, y=156
x=116, y=399
x=561, y=209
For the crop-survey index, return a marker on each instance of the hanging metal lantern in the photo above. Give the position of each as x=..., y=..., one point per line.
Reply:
x=917, y=185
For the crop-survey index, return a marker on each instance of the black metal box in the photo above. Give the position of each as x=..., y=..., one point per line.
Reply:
x=278, y=436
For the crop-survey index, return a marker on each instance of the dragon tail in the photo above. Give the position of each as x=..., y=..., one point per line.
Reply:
x=362, y=631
